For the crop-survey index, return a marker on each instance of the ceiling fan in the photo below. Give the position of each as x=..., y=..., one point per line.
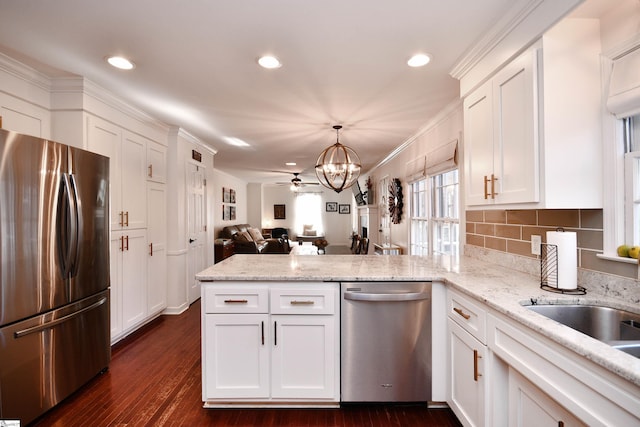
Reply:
x=296, y=182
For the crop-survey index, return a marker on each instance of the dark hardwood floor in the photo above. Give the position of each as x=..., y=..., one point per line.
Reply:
x=154, y=380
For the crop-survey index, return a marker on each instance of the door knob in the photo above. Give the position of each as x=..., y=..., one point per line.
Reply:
x=192, y=240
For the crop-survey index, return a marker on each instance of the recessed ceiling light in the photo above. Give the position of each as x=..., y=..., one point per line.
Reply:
x=120, y=62
x=291, y=163
x=419, y=60
x=269, y=62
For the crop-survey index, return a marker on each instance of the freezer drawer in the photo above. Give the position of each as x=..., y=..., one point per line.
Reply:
x=47, y=357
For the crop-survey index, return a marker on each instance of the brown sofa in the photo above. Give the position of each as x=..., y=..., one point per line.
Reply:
x=249, y=240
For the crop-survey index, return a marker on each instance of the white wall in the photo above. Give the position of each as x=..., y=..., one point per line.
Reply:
x=337, y=226
x=220, y=180
x=444, y=128
x=178, y=155
x=620, y=24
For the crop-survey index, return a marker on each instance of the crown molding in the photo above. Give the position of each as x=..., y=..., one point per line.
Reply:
x=24, y=72
x=505, y=26
x=178, y=132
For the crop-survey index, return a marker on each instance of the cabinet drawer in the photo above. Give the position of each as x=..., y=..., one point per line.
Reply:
x=468, y=315
x=236, y=300
x=303, y=301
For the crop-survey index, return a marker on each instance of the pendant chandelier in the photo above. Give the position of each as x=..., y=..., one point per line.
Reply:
x=338, y=166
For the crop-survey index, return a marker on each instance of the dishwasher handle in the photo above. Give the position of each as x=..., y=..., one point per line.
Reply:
x=386, y=296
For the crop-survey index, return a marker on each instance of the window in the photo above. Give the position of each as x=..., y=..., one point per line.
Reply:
x=419, y=241
x=445, y=222
x=309, y=211
x=435, y=215
x=631, y=141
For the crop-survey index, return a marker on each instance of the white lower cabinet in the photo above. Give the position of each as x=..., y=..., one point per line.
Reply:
x=275, y=343
x=531, y=407
x=467, y=381
x=468, y=378
x=236, y=359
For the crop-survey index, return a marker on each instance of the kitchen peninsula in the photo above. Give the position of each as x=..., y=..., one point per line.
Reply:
x=594, y=382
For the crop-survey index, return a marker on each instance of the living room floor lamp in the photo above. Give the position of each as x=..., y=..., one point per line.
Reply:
x=338, y=166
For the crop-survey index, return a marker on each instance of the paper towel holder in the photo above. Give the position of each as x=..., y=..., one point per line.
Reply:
x=549, y=271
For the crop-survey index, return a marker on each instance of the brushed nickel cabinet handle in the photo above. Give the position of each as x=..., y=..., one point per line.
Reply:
x=462, y=313
x=476, y=374
x=493, y=186
x=126, y=216
x=121, y=243
x=236, y=301
x=262, y=331
x=151, y=171
x=275, y=333
x=486, y=185
x=296, y=302
x=121, y=218
x=151, y=249
x=126, y=239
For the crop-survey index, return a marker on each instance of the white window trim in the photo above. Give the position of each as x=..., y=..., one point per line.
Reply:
x=613, y=164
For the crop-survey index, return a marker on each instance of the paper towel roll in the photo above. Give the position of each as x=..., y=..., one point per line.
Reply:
x=567, y=257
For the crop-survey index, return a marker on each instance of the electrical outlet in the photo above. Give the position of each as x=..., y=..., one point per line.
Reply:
x=536, y=241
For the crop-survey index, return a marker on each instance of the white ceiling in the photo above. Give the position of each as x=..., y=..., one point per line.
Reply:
x=344, y=62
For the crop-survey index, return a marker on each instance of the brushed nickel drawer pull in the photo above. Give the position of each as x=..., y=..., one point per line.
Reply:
x=296, y=302
x=462, y=313
x=236, y=301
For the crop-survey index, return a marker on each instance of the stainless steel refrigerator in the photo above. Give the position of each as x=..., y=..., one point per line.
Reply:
x=54, y=272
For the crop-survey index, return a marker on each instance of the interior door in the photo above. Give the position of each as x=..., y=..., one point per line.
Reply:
x=196, y=232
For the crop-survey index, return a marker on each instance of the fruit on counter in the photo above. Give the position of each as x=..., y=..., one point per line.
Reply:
x=634, y=252
x=623, y=250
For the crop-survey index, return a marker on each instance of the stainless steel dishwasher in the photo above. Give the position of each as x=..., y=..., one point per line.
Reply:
x=385, y=341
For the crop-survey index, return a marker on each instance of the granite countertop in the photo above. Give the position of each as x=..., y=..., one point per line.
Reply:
x=503, y=289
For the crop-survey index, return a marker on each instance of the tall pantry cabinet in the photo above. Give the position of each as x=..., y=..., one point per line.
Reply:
x=138, y=223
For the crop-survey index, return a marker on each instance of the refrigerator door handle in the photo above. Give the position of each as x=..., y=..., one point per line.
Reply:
x=70, y=233
x=51, y=324
x=76, y=226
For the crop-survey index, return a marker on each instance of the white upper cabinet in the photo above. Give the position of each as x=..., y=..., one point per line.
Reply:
x=501, y=150
x=533, y=132
x=156, y=162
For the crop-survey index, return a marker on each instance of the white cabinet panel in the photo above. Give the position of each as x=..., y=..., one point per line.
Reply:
x=303, y=357
x=157, y=242
x=133, y=252
x=236, y=356
x=468, y=381
x=134, y=184
x=530, y=407
x=156, y=162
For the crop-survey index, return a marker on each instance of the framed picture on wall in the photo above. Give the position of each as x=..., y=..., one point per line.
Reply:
x=226, y=195
x=226, y=212
x=345, y=209
x=232, y=213
x=279, y=212
x=332, y=207
x=232, y=195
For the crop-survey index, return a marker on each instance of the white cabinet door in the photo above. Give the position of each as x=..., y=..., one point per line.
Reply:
x=157, y=244
x=156, y=162
x=501, y=137
x=116, y=286
x=478, y=145
x=133, y=250
x=134, y=180
x=236, y=356
x=467, y=381
x=531, y=407
x=515, y=133
x=303, y=357
x=106, y=139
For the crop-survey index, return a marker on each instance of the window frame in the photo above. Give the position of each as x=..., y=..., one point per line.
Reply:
x=430, y=221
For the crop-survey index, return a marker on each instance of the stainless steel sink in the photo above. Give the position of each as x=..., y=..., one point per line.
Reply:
x=618, y=328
